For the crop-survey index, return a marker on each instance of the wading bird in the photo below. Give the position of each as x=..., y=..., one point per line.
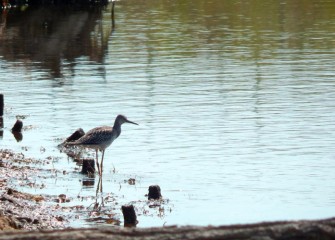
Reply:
x=100, y=138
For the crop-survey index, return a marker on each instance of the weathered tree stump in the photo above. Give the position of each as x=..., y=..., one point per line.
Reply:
x=17, y=126
x=88, y=166
x=75, y=135
x=129, y=215
x=154, y=192
x=1, y=104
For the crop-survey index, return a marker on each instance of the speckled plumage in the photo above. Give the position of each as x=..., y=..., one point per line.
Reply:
x=100, y=138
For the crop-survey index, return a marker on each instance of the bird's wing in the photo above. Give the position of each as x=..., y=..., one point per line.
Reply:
x=95, y=136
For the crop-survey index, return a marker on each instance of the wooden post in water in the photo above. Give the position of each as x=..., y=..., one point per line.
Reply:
x=129, y=215
x=17, y=126
x=1, y=104
x=88, y=166
x=16, y=130
x=75, y=135
x=154, y=192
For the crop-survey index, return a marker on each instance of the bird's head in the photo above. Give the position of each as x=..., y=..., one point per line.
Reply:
x=122, y=119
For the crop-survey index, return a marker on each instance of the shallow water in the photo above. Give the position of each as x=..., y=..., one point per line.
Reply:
x=234, y=99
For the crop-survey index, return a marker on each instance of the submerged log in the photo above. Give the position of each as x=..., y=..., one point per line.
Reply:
x=290, y=230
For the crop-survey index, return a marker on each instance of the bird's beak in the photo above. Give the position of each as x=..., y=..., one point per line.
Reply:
x=131, y=122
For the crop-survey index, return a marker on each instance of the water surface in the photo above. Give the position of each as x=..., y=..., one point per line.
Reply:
x=235, y=101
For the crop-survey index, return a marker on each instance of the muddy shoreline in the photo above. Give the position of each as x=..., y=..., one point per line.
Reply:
x=20, y=176
x=19, y=210
x=28, y=216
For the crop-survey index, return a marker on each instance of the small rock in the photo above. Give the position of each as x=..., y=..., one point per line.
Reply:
x=131, y=181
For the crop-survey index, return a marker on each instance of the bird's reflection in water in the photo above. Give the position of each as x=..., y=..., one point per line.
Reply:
x=99, y=186
x=89, y=182
x=99, y=198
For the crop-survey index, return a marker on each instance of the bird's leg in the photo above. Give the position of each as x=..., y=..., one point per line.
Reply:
x=102, y=159
x=97, y=159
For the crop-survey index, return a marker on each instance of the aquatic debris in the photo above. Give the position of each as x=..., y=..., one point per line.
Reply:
x=88, y=166
x=6, y=154
x=99, y=208
x=131, y=181
x=154, y=205
x=1, y=104
x=42, y=149
x=106, y=220
x=26, y=196
x=21, y=116
x=70, y=152
x=75, y=135
x=8, y=157
x=152, y=208
x=154, y=192
x=28, y=127
x=62, y=198
x=16, y=130
x=15, y=171
x=129, y=215
x=3, y=182
x=17, y=126
x=113, y=221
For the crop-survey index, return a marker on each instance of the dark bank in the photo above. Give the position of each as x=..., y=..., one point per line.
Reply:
x=18, y=3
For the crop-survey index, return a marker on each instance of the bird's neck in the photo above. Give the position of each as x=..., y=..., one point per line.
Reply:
x=117, y=128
